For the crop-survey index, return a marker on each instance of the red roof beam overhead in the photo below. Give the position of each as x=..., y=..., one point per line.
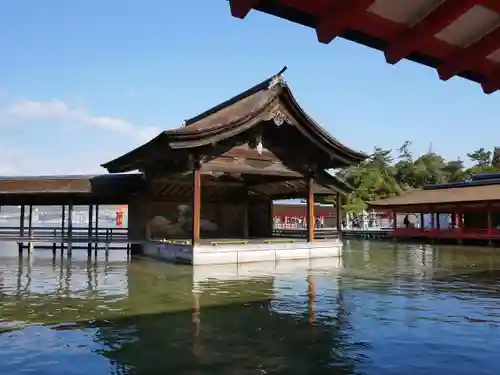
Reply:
x=339, y=17
x=240, y=8
x=456, y=37
x=425, y=28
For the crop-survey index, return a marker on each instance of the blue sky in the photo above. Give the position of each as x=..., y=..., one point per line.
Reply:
x=82, y=81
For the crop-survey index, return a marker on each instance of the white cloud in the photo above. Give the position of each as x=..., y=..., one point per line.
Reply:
x=33, y=157
x=26, y=111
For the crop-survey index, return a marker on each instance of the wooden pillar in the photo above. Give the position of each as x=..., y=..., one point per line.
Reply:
x=30, y=220
x=438, y=224
x=63, y=226
x=70, y=227
x=195, y=236
x=458, y=219
x=422, y=224
x=433, y=222
x=30, y=228
x=21, y=221
x=394, y=220
x=21, y=228
x=96, y=220
x=90, y=227
x=338, y=208
x=310, y=210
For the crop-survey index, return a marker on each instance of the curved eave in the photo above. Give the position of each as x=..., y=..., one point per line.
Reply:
x=351, y=156
x=121, y=164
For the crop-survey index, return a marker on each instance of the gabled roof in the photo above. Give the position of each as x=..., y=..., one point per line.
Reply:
x=457, y=37
x=237, y=115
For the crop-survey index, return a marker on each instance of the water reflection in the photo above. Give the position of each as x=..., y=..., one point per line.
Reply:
x=385, y=309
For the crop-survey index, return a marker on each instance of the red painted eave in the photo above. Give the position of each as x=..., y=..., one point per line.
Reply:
x=456, y=37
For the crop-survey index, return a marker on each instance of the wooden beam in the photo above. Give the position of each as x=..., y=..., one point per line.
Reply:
x=196, y=207
x=310, y=210
x=425, y=29
x=240, y=8
x=469, y=57
x=342, y=14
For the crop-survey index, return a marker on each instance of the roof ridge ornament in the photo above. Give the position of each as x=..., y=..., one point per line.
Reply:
x=278, y=80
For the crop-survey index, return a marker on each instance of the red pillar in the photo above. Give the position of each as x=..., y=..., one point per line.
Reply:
x=490, y=222
x=458, y=220
x=196, y=206
x=310, y=210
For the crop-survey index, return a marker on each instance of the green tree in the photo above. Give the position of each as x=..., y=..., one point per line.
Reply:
x=379, y=177
x=454, y=171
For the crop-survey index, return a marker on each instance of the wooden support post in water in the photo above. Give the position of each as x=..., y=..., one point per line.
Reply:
x=89, y=231
x=96, y=225
x=311, y=293
x=338, y=207
x=30, y=220
x=63, y=223
x=21, y=229
x=310, y=210
x=70, y=228
x=30, y=228
x=195, y=237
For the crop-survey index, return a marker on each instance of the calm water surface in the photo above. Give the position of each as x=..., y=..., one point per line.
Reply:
x=384, y=309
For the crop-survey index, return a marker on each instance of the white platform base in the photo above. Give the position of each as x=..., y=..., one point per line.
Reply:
x=242, y=253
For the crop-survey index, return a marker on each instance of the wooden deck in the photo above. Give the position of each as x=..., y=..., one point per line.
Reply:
x=61, y=238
